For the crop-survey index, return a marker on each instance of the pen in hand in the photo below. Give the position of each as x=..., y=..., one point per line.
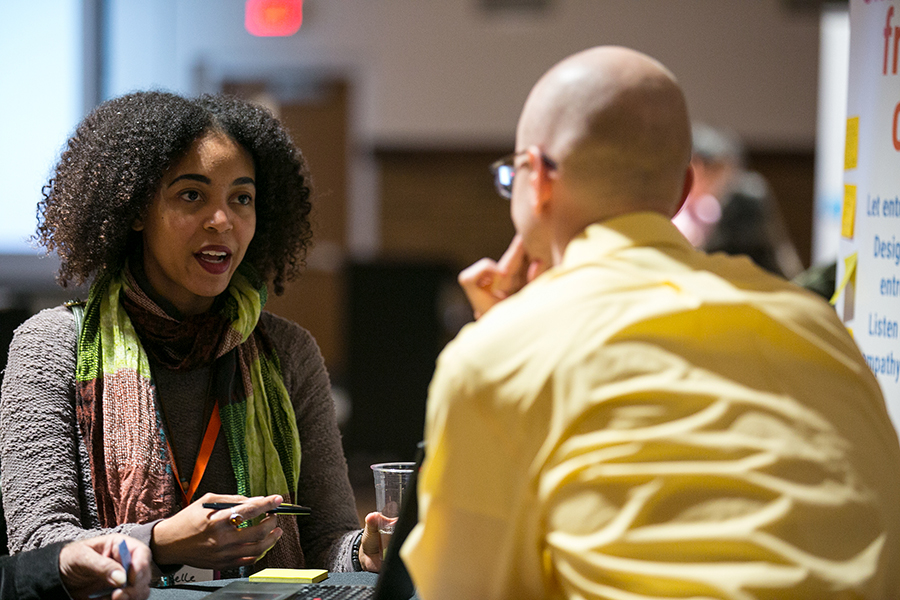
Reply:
x=125, y=559
x=281, y=509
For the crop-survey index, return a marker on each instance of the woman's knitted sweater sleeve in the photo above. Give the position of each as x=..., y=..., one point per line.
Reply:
x=43, y=464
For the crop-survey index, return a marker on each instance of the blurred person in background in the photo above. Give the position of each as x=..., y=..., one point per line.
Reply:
x=731, y=209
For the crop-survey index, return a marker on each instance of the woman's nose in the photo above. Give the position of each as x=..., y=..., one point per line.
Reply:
x=220, y=220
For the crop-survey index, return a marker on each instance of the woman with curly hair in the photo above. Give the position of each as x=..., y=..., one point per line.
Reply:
x=177, y=389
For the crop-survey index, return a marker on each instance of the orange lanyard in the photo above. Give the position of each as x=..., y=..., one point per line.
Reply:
x=206, y=448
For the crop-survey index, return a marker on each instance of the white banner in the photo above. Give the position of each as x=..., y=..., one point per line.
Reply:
x=869, y=261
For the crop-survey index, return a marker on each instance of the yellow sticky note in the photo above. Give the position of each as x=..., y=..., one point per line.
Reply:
x=289, y=576
x=849, y=276
x=848, y=217
x=851, y=143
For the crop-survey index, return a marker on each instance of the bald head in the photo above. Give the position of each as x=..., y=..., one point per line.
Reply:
x=616, y=121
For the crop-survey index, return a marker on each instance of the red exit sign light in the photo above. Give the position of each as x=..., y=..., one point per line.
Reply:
x=273, y=18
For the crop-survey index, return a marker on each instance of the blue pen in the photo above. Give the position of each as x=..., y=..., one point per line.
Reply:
x=125, y=559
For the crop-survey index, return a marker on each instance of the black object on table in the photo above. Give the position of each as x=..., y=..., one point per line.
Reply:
x=195, y=591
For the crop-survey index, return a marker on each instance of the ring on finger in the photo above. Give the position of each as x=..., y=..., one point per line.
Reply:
x=236, y=519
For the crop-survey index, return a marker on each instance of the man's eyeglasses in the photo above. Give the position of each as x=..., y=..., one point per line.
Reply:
x=504, y=170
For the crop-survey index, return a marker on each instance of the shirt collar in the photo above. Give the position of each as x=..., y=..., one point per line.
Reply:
x=628, y=231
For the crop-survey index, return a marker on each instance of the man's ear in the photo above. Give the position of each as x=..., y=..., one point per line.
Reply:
x=685, y=188
x=541, y=178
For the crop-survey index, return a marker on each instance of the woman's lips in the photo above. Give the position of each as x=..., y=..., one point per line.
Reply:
x=214, y=260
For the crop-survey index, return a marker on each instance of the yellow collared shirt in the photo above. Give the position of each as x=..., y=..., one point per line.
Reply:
x=648, y=421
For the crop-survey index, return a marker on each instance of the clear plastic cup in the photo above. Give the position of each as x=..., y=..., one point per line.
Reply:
x=391, y=484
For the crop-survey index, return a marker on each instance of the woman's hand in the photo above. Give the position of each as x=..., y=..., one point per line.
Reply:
x=370, y=550
x=207, y=539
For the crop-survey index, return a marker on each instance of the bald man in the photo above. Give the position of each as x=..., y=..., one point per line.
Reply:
x=630, y=418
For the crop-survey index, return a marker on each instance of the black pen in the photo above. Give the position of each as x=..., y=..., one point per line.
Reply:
x=281, y=509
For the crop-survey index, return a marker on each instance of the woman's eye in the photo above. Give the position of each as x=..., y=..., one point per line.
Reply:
x=245, y=199
x=190, y=195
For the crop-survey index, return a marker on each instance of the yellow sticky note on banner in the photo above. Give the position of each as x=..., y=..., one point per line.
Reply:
x=849, y=275
x=848, y=216
x=851, y=144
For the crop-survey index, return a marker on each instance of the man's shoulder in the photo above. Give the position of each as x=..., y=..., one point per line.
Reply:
x=595, y=302
x=518, y=329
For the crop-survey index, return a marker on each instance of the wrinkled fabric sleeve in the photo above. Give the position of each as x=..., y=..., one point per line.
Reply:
x=464, y=521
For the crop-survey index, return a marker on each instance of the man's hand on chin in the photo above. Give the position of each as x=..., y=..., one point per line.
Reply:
x=488, y=282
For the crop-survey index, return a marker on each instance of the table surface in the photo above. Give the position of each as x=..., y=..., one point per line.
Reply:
x=190, y=591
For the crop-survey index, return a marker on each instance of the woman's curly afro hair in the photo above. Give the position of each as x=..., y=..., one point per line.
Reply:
x=113, y=165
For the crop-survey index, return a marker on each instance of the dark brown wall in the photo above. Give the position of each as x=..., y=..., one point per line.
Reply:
x=318, y=125
x=438, y=206
x=442, y=204
x=316, y=299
